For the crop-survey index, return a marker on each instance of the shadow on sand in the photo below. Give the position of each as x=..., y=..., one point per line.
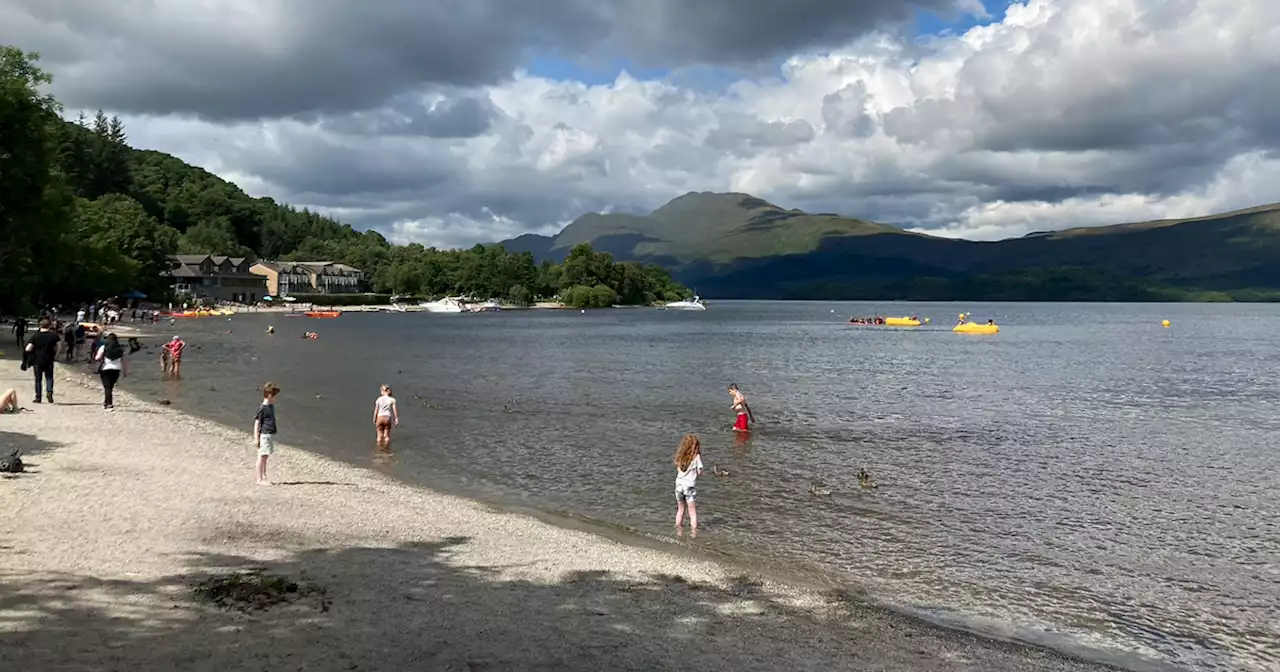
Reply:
x=422, y=607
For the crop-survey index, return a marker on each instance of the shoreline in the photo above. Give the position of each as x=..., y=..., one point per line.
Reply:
x=121, y=511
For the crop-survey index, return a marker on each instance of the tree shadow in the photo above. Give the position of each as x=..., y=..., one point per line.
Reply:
x=427, y=606
x=27, y=443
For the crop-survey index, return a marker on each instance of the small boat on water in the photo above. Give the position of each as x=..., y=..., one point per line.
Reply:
x=975, y=328
x=323, y=313
x=490, y=306
x=688, y=304
x=448, y=304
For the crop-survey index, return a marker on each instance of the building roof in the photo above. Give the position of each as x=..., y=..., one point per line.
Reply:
x=319, y=267
x=188, y=265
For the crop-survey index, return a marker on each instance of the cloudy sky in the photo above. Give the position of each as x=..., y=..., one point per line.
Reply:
x=456, y=121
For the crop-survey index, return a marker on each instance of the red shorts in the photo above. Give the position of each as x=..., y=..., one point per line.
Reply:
x=741, y=424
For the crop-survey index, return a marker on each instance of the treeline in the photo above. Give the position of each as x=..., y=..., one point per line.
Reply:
x=586, y=278
x=83, y=216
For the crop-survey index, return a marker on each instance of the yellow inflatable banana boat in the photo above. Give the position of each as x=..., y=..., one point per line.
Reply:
x=901, y=322
x=975, y=328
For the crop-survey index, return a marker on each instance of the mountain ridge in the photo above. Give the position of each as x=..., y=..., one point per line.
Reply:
x=740, y=246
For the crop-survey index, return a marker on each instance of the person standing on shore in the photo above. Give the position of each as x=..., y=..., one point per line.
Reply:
x=688, y=461
x=80, y=334
x=43, y=351
x=385, y=416
x=264, y=430
x=113, y=366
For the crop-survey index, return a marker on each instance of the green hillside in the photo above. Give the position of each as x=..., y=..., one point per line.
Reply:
x=83, y=216
x=715, y=227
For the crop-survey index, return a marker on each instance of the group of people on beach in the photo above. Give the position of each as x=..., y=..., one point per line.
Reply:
x=41, y=351
x=57, y=340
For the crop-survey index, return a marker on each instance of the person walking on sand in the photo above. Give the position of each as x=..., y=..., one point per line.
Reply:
x=744, y=411
x=42, y=351
x=688, y=461
x=264, y=430
x=69, y=341
x=112, y=367
x=385, y=416
x=20, y=331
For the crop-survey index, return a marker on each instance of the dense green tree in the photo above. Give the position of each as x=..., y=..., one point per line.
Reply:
x=117, y=224
x=34, y=201
x=214, y=236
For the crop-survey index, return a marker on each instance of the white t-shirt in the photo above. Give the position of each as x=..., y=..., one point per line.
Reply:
x=109, y=364
x=689, y=477
x=384, y=404
x=79, y=316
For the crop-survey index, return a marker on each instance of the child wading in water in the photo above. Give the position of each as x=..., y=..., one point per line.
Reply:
x=740, y=405
x=688, y=463
x=385, y=416
x=264, y=430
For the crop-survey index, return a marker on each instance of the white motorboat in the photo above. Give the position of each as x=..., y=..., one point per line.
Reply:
x=689, y=304
x=487, y=307
x=448, y=304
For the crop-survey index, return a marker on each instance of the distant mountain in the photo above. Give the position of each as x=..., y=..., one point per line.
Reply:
x=739, y=246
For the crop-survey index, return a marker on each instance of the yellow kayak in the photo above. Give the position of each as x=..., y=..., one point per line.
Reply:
x=901, y=322
x=975, y=328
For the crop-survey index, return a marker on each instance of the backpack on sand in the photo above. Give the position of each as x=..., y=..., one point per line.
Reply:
x=11, y=464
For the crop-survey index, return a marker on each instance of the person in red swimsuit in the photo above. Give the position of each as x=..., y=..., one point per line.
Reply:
x=175, y=348
x=744, y=411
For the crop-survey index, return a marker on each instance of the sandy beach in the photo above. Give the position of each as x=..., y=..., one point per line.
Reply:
x=121, y=513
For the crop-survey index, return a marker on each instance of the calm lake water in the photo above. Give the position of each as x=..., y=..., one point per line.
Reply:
x=1085, y=479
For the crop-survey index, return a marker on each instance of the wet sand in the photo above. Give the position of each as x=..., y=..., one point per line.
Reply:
x=120, y=513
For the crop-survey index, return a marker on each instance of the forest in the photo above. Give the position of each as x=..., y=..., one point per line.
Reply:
x=83, y=216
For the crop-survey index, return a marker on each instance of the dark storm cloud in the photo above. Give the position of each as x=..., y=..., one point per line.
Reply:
x=250, y=60
x=310, y=164
x=1157, y=170
x=463, y=117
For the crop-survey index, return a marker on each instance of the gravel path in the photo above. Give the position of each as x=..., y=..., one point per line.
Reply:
x=122, y=512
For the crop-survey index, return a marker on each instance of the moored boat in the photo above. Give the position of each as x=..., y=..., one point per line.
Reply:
x=688, y=304
x=448, y=304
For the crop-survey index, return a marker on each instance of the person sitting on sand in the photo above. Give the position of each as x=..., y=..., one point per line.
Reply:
x=688, y=461
x=134, y=345
x=9, y=401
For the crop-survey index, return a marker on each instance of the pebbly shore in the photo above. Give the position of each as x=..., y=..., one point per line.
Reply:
x=121, y=514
